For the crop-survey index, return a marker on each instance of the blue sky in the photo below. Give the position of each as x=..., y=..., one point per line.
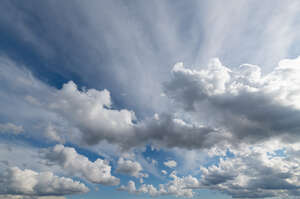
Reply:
x=149, y=99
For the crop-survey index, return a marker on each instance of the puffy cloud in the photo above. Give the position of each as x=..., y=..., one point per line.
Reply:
x=170, y=163
x=98, y=171
x=270, y=169
x=178, y=186
x=117, y=126
x=15, y=181
x=131, y=168
x=171, y=131
x=251, y=106
x=100, y=121
x=164, y=172
x=59, y=114
x=11, y=128
x=235, y=105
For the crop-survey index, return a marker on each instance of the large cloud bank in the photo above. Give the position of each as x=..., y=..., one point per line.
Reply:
x=249, y=105
x=214, y=107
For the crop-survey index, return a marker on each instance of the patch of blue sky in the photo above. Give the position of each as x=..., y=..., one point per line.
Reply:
x=278, y=153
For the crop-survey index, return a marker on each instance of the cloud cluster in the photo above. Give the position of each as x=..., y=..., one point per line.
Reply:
x=98, y=172
x=15, y=181
x=257, y=171
x=220, y=105
x=59, y=114
x=249, y=105
x=118, y=126
x=178, y=186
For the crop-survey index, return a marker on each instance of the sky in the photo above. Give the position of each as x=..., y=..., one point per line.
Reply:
x=149, y=99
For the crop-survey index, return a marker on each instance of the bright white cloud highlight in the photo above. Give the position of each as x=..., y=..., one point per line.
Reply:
x=15, y=181
x=170, y=163
x=178, y=186
x=245, y=103
x=98, y=172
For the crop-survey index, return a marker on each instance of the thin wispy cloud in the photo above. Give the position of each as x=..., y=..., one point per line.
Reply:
x=149, y=99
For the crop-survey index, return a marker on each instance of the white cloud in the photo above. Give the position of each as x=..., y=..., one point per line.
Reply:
x=99, y=121
x=52, y=134
x=11, y=128
x=24, y=156
x=98, y=172
x=270, y=169
x=170, y=163
x=59, y=115
x=131, y=168
x=178, y=186
x=248, y=105
x=15, y=181
x=164, y=172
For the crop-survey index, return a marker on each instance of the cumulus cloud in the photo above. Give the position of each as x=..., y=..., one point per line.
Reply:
x=170, y=163
x=270, y=169
x=235, y=105
x=15, y=181
x=178, y=186
x=131, y=168
x=164, y=172
x=117, y=126
x=249, y=105
x=100, y=121
x=11, y=128
x=58, y=114
x=98, y=172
